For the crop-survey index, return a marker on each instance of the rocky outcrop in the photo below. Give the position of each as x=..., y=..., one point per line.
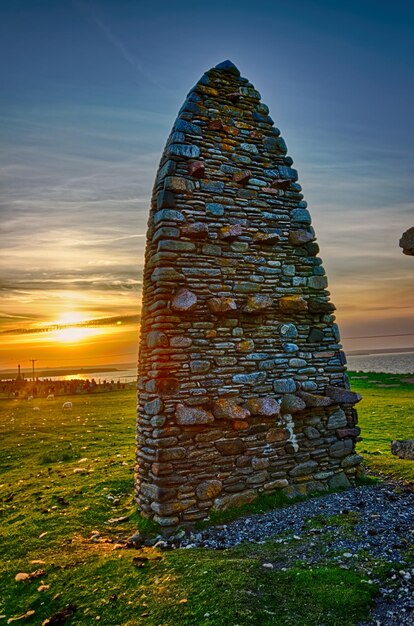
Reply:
x=242, y=384
x=407, y=242
x=403, y=449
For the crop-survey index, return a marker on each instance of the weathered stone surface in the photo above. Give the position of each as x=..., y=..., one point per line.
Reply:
x=196, y=230
x=292, y=304
x=242, y=176
x=312, y=400
x=189, y=416
x=156, y=339
x=338, y=394
x=209, y=489
x=339, y=481
x=277, y=434
x=288, y=331
x=407, y=242
x=257, y=304
x=238, y=341
x=265, y=407
x=235, y=500
x=300, y=237
x=230, y=409
x=230, y=447
x=341, y=448
x=231, y=231
x=403, y=449
x=220, y=306
x=284, y=385
x=337, y=420
x=304, y=468
x=292, y=404
x=154, y=407
x=184, y=301
x=250, y=379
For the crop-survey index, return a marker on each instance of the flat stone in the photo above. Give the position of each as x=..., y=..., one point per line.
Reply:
x=339, y=481
x=275, y=435
x=196, y=169
x=313, y=400
x=209, y=489
x=300, y=237
x=276, y=145
x=198, y=366
x=337, y=420
x=267, y=238
x=154, y=407
x=213, y=208
x=230, y=447
x=304, y=468
x=320, y=306
x=212, y=186
x=301, y=215
x=184, y=301
x=171, y=454
x=281, y=483
x=348, y=433
x=290, y=347
x=311, y=433
x=257, y=304
x=351, y=461
x=317, y=282
x=231, y=231
x=165, y=274
x=229, y=409
x=168, y=215
x=196, y=230
x=234, y=500
x=179, y=184
x=187, y=127
x=179, y=341
x=249, y=147
x=245, y=345
x=220, y=306
x=284, y=385
x=165, y=199
x=264, y=407
x=315, y=335
x=250, y=379
x=292, y=404
x=171, y=245
x=184, y=150
x=190, y=416
x=242, y=176
x=341, y=448
x=404, y=449
x=168, y=386
x=288, y=330
x=228, y=67
x=157, y=339
x=339, y=394
x=292, y=304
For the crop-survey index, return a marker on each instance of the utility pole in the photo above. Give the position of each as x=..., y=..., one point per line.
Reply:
x=33, y=361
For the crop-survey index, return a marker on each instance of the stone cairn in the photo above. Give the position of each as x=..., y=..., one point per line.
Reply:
x=242, y=387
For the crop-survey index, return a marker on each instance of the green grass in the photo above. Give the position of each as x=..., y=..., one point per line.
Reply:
x=385, y=413
x=64, y=475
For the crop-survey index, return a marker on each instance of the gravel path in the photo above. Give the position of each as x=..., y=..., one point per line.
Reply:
x=380, y=529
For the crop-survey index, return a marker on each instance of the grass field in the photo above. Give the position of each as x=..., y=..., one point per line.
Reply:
x=67, y=476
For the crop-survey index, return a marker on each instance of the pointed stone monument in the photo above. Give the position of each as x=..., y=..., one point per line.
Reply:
x=242, y=385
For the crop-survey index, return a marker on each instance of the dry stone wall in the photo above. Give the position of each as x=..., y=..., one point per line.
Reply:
x=242, y=386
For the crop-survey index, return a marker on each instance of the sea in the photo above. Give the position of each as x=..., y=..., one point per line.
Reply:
x=389, y=363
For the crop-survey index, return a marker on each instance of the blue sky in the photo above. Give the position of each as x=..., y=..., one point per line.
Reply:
x=90, y=91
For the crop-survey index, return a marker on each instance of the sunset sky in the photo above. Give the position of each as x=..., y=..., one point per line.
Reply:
x=89, y=93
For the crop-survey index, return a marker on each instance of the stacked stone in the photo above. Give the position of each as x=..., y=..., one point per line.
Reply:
x=242, y=384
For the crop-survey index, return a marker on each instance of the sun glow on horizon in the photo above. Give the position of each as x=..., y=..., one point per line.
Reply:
x=74, y=334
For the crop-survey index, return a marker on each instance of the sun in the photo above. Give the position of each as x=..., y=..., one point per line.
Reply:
x=74, y=335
